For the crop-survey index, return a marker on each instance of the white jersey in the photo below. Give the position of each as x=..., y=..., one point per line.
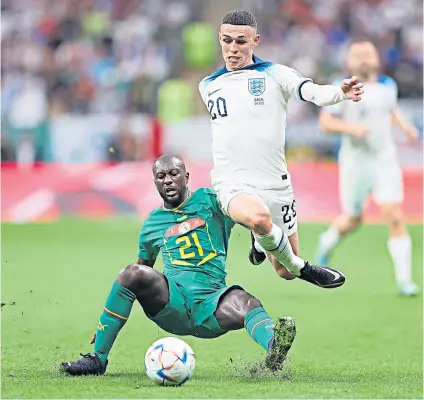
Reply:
x=374, y=111
x=248, y=109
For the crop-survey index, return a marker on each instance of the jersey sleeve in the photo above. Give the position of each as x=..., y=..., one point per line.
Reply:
x=391, y=84
x=203, y=90
x=147, y=249
x=335, y=109
x=289, y=80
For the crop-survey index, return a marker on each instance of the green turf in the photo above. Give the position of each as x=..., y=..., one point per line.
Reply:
x=359, y=341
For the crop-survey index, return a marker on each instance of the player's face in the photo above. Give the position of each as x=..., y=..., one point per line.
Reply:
x=237, y=44
x=363, y=60
x=171, y=182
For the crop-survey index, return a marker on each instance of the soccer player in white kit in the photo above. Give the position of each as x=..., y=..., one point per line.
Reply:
x=247, y=101
x=367, y=161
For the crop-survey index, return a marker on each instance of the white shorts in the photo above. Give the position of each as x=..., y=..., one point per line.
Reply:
x=281, y=202
x=358, y=180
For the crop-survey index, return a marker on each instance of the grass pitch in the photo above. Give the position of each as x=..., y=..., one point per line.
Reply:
x=359, y=341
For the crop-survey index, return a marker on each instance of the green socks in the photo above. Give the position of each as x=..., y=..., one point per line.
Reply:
x=118, y=306
x=259, y=326
x=116, y=312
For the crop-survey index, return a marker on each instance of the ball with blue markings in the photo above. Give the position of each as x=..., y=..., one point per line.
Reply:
x=169, y=362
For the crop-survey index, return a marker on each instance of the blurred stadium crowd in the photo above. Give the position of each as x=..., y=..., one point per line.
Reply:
x=131, y=57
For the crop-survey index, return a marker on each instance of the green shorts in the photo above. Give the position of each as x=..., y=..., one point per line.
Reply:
x=191, y=307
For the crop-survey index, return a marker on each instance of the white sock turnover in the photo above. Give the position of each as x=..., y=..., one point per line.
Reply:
x=277, y=243
x=258, y=246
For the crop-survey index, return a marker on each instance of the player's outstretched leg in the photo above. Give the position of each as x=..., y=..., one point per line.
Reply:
x=255, y=215
x=277, y=243
x=238, y=309
x=135, y=281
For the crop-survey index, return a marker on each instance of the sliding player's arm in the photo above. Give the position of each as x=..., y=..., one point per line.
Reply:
x=403, y=124
x=294, y=84
x=147, y=255
x=148, y=263
x=148, y=248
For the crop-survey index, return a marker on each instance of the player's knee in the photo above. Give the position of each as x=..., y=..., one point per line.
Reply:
x=233, y=307
x=396, y=224
x=250, y=304
x=261, y=221
x=354, y=222
x=245, y=302
x=136, y=277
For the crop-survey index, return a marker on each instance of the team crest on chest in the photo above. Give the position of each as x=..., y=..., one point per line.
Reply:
x=184, y=228
x=256, y=86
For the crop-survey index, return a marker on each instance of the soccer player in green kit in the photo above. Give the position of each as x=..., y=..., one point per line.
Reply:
x=191, y=296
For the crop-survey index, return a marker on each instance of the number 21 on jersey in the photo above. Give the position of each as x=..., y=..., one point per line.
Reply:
x=185, y=244
x=193, y=245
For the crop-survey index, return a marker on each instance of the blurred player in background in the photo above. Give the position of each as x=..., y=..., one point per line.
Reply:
x=247, y=101
x=191, y=296
x=368, y=162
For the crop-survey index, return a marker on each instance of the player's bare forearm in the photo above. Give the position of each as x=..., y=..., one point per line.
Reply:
x=401, y=122
x=330, y=123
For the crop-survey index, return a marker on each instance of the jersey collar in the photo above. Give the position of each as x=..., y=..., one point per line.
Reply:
x=257, y=63
x=176, y=209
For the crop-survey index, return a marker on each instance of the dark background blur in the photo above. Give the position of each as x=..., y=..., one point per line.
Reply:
x=88, y=80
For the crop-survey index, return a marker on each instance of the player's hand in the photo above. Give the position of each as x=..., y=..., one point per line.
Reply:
x=352, y=88
x=411, y=133
x=358, y=130
x=93, y=338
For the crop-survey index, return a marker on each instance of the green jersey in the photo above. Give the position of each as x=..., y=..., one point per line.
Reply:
x=192, y=237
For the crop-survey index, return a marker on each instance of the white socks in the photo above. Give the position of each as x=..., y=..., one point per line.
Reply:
x=258, y=246
x=329, y=239
x=277, y=243
x=400, y=250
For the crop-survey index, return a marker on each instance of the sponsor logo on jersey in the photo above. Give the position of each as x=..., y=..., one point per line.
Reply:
x=259, y=101
x=214, y=91
x=292, y=225
x=256, y=86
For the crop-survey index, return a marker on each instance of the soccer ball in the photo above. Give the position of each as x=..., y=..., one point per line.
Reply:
x=169, y=362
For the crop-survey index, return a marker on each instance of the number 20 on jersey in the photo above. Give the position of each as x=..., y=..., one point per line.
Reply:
x=217, y=108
